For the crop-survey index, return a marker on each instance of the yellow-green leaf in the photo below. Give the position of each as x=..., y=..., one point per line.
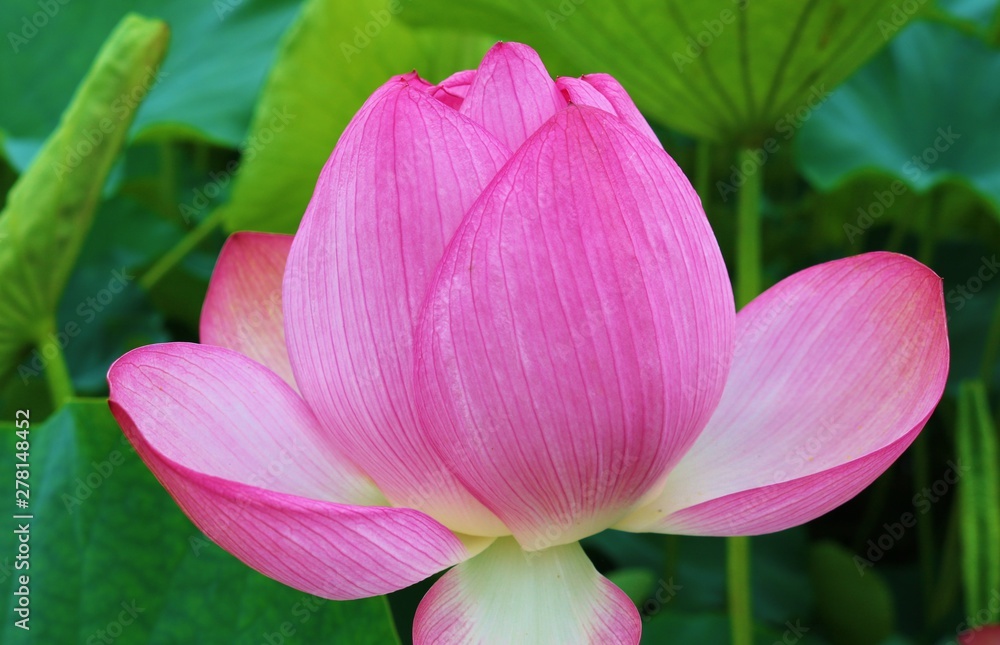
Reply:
x=50, y=208
x=331, y=60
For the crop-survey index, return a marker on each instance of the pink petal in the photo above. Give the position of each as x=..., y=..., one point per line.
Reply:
x=580, y=92
x=626, y=110
x=578, y=335
x=409, y=79
x=404, y=172
x=242, y=309
x=174, y=392
x=452, y=90
x=837, y=369
x=247, y=462
x=512, y=94
x=984, y=634
x=506, y=595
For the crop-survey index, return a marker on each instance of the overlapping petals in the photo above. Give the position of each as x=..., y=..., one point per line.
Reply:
x=561, y=365
x=247, y=461
x=388, y=201
x=604, y=92
x=242, y=309
x=512, y=94
x=836, y=370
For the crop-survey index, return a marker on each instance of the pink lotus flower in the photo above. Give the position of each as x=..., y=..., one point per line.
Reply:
x=505, y=325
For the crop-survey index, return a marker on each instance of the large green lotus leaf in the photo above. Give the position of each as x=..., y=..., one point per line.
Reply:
x=334, y=57
x=206, y=88
x=50, y=208
x=925, y=110
x=717, y=69
x=113, y=558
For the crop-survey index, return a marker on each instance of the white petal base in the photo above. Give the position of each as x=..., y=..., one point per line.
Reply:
x=507, y=595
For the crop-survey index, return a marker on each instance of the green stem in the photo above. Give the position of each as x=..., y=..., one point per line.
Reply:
x=748, y=235
x=738, y=587
x=185, y=246
x=748, y=286
x=56, y=370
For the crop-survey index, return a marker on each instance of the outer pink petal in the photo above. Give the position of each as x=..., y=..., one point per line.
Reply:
x=512, y=94
x=245, y=460
x=242, y=309
x=837, y=369
x=578, y=335
x=452, y=90
x=626, y=110
x=404, y=172
x=220, y=413
x=506, y=595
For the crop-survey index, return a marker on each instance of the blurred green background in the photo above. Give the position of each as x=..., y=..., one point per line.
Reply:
x=856, y=126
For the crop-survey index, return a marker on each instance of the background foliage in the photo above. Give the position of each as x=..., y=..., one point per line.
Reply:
x=130, y=146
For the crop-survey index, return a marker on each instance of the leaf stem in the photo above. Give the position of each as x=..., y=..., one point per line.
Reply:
x=174, y=256
x=738, y=588
x=748, y=236
x=748, y=287
x=56, y=370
